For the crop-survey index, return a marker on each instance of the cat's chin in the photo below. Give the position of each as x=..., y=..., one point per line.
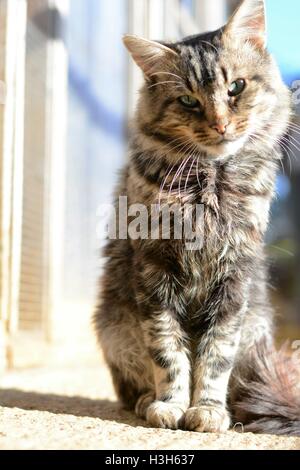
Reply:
x=225, y=149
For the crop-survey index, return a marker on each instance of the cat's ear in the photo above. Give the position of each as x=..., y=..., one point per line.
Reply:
x=150, y=56
x=248, y=23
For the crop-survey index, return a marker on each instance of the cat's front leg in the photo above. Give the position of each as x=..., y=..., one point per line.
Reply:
x=215, y=356
x=171, y=369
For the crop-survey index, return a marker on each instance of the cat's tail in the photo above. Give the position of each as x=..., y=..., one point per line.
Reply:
x=269, y=399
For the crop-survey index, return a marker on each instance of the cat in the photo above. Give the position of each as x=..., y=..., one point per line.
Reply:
x=188, y=334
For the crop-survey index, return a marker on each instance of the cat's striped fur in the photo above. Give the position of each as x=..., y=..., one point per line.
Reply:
x=179, y=329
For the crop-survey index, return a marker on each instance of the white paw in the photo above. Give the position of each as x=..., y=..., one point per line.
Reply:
x=165, y=415
x=207, y=419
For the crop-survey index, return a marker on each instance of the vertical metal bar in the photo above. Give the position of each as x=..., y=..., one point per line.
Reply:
x=57, y=86
x=12, y=48
x=17, y=191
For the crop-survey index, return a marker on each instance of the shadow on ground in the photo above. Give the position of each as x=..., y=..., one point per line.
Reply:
x=75, y=406
x=57, y=421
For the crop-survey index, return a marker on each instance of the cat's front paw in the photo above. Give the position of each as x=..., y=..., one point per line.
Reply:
x=143, y=404
x=207, y=419
x=165, y=415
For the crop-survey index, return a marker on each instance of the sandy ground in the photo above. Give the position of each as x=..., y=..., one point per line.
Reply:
x=69, y=403
x=72, y=406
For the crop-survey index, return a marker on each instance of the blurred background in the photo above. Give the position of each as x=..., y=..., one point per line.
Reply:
x=70, y=90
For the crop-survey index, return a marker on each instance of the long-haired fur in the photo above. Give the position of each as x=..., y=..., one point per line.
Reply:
x=269, y=394
x=178, y=327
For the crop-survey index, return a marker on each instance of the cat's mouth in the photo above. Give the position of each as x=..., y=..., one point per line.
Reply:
x=225, y=146
x=224, y=140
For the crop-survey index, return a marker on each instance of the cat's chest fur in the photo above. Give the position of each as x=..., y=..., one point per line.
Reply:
x=235, y=201
x=235, y=218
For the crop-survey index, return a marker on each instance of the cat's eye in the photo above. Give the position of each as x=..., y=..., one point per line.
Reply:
x=189, y=101
x=237, y=87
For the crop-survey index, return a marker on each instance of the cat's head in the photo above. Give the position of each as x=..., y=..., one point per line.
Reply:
x=214, y=92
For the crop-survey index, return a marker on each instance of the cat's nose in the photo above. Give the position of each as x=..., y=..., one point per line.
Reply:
x=221, y=126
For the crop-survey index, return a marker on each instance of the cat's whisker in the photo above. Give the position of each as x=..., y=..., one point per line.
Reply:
x=167, y=73
x=182, y=144
x=167, y=146
x=166, y=83
x=291, y=128
x=290, y=125
x=189, y=173
x=164, y=182
x=182, y=165
x=197, y=170
x=173, y=141
x=181, y=175
x=181, y=148
x=293, y=132
x=194, y=151
x=293, y=123
x=291, y=135
x=169, y=172
x=267, y=141
x=194, y=156
x=287, y=153
x=174, y=178
x=296, y=130
x=289, y=142
x=285, y=143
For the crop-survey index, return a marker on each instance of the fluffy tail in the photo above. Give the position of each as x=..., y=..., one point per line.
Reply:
x=269, y=399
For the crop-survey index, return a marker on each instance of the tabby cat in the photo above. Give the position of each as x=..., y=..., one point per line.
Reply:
x=188, y=334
